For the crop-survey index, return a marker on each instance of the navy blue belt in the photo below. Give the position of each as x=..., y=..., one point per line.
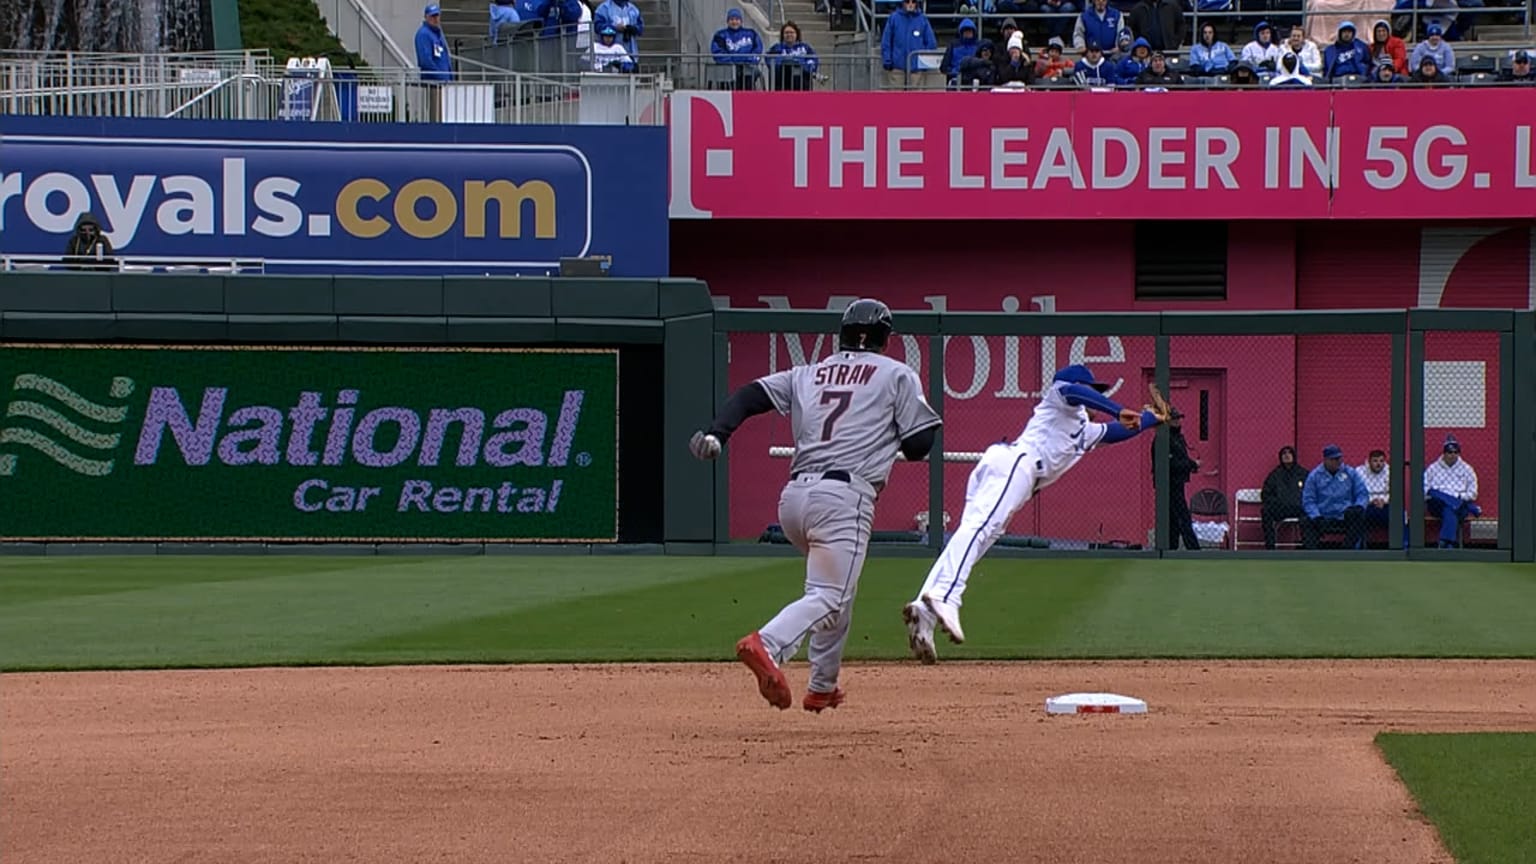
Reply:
x=842, y=476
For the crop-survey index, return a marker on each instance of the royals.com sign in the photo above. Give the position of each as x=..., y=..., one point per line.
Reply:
x=331, y=198
x=307, y=443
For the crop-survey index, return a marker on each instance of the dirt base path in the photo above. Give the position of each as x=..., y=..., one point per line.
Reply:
x=1237, y=762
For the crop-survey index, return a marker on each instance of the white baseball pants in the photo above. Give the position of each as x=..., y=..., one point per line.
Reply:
x=829, y=522
x=999, y=486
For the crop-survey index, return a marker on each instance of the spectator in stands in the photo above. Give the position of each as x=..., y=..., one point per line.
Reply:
x=963, y=48
x=1428, y=72
x=503, y=14
x=1376, y=476
x=1434, y=45
x=1053, y=63
x=1160, y=22
x=1519, y=71
x=609, y=55
x=981, y=69
x=1064, y=13
x=564, y=16
x=1450, y=492
x=1263, y=52
x=1093, y=70
x=1210, y=56
x=1347, y=55
x=1122, y=50
x=1333, y=498
x=1014, y=66
x=794, y=62
x=1244, y=75
x=1008, y=28
x=1281, y=495
x=431, y=48
x=1299, y=45
x=88, y=247
x=1386, y=73
x=738, y=46
x=1135, y=62
x=1099, y=24
x=1291, y=73
x=1454, y=23
x=624, y=17
x=1157, y=73
x=533, y=10
x=907, y=32
x=1385, y=44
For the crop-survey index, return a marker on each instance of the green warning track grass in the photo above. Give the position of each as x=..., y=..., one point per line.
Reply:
x=73, y=613
x=1478, y=788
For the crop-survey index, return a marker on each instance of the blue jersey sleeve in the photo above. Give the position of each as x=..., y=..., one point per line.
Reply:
x=1114, y=432
x=1079, y=394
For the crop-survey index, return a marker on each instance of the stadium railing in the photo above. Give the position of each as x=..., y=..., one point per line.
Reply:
x=1247, y=383
x=131, y=264
x=252, y=86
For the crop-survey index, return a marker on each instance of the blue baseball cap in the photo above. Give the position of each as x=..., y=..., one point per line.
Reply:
x=1077, y=373
x=432, y=9
x=1333, y=451
x=1451, y=445
x=733, y=13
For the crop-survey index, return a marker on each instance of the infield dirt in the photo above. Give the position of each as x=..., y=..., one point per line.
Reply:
x=1268, y=761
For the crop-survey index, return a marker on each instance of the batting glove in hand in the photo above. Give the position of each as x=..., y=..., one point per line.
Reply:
x=704, y=446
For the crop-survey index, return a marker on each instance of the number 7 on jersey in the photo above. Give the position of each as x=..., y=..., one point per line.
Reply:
x=842, y=398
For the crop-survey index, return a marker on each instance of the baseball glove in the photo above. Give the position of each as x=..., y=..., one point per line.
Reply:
x=1160, y=406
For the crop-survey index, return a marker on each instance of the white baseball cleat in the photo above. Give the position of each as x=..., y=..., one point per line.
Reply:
x=920, y=633
x=948, y=615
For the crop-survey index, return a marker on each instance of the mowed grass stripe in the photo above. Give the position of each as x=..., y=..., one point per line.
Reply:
x=1478, y=788
x=261, y=611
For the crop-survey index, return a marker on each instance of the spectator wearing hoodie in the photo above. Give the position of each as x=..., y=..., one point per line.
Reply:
x=739, y=46
x=1428, y=72
x=1519, y=70
x=1347, y=55
x=1263, y=51
x=1299, y=45
x=1015, y=66
x=1434, y=45
x=624, y=17
x=1210, y=56
x=1385, y=44
x=1280, y=498
x=980, y=69
x=963, y=48
x=1291, y=74
x=1054, y=63
x=906, y=32
x=608, y=54
x=1008, y=28
x=88, y=247
x=1244, y=75
x=1134, y=62
x=1093, y=70
x=1100, y=24
x=1157, y=73
x=503, y=14
x=1160, y=22
x=793, y=61
x=431, y=47
x=1386, y=73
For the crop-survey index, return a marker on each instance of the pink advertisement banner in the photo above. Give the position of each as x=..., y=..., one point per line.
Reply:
x=1347, y=154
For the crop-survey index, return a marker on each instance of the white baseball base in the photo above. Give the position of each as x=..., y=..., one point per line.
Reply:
x=1094, y=703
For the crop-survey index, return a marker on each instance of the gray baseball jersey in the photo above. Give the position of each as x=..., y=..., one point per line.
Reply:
x=850, y=411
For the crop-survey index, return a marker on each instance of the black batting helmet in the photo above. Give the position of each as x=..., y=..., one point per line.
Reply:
x=866, y=326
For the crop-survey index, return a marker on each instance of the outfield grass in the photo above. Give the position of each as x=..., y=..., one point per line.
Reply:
x=1478, y=788
x=68, y=613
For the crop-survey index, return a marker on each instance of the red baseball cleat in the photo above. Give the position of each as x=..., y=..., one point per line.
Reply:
x=770, y=678
x=820, y=701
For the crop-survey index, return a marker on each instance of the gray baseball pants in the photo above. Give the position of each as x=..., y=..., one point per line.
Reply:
x=829, y=522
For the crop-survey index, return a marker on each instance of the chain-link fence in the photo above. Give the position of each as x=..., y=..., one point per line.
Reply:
x=1296, y=431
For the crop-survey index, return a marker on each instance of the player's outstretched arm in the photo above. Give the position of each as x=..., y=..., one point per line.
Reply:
x=751, y=400
x=1114, y=432
x=1087, y=397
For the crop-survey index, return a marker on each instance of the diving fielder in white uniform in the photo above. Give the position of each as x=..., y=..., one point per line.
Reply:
x=1008, y=475
x=850, y=415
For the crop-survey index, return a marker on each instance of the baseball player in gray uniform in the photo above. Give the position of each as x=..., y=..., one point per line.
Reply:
x=850, y=414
